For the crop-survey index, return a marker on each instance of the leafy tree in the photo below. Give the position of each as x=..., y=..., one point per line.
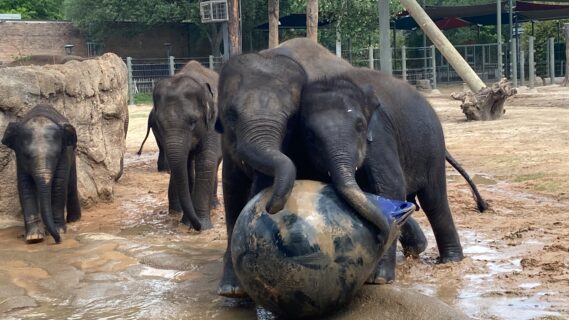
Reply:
x=34, y=9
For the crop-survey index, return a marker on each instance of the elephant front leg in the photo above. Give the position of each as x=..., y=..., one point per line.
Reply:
x=174, y=206
x=35, y=231
x=205, y=179
x=235, y=191
x=59, y=194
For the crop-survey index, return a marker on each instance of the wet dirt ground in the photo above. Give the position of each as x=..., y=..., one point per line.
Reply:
x=129, y=259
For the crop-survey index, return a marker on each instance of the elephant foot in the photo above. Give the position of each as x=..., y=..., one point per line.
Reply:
x=412, y=239
x=35, y=234
x=174, y=212
x=229, y=286
x=206, y=224
x=381, y=276
x=451, y=257
x=215, y=203
x=61, y=229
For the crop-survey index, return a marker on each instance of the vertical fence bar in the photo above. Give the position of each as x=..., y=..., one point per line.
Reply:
x=551, y=49
x=338, y=44
x=171, y=65
x=130, y=82
x=434, y=65
x=513, y=63
x=531, y=62
x=370, y=57
x=211, y=66
x=403, y=63
x=522, y=68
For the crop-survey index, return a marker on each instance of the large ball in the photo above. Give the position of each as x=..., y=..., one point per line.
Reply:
x=308, y=259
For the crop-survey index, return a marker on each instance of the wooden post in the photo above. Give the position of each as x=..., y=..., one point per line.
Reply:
x=434, y=65
x=522, y=68
x=211, y=62
x=499, y=36
x=566, y=33
x=385, y=60
x=312, y=20
x=130, y=82
x=370, y=57
x=513, y=62
x=484, y=103
x=531, y=62
x=338, y=44
x=234, y=27
x=273, y=23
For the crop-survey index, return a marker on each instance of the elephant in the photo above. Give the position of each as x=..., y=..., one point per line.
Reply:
x=369, y=130
x=258, y=113
x=45, y=143
x=259, y=97
x=183, y=121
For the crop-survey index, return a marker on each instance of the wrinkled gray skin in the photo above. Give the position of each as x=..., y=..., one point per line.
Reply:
x=319, y=63
x=183, y=121
x=258, y=102
x=45, y=143
x=362, y=109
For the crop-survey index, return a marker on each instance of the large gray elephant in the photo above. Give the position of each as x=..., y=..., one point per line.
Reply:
x=45, y=144
x=183, y=122
x=369, y=129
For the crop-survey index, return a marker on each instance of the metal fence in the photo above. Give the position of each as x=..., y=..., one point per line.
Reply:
x=144, y=73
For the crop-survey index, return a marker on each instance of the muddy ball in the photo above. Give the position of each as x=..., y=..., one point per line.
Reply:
x=308, y=259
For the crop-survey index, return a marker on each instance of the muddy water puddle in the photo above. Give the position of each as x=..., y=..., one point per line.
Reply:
x=132, y=260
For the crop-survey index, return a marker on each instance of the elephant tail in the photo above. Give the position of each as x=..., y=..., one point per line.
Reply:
x=146, y=137
x=481, y=203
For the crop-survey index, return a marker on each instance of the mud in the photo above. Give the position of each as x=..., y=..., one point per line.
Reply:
x=130, y=259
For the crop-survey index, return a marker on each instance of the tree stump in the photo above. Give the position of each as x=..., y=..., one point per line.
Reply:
x=486, y=104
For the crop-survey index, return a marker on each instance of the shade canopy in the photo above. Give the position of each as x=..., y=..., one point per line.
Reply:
x=447, y=17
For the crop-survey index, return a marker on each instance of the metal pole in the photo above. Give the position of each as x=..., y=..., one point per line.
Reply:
x=211, y=62
x=385, y=59
x=522, y=68
x=171, y=65
x=130, y=82
x=403, y=63
x=225, y=30
x=514, y=63
x=424, y=43
x=499, y=37
x=434, y=63
x=370, y=57
x=338, y=44
x=531, y=62
x=552, y=60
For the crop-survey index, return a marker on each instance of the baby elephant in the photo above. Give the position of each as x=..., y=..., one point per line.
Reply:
x=45, y=144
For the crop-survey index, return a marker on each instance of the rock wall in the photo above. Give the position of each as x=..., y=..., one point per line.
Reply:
x=92, y=94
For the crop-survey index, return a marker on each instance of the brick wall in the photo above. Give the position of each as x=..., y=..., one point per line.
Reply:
x=22, y=38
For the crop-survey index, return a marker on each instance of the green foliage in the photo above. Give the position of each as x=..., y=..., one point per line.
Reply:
x=142, y=98
x=34, y=9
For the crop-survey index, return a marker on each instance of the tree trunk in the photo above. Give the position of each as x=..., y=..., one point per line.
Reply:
x=487, y=101
x=566, y=33
x=312, y=20
x=234, y=28
x=273, y=23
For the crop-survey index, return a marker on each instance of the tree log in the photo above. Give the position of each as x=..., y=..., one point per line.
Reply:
x=312, y=20
x=234, y=27
x=486, y=104
x=566, y=33
x=273, y=23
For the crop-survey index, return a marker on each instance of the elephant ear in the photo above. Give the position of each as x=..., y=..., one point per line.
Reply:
x=69, y=135
x=208, y=99
x=9, y=138
x=372, y=101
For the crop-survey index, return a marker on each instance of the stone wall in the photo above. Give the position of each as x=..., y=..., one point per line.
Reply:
x=24, y=38
x=92, y=94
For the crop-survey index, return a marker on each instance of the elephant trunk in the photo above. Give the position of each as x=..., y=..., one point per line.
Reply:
x=43, y=179
x=177, y=152
x=261, y=150
x=343, y=178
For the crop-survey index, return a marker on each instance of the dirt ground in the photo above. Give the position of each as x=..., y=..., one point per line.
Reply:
x=517, y=253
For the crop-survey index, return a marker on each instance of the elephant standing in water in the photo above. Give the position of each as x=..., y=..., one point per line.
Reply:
x=368, y=126
x=45, y=145
x=183, y=121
